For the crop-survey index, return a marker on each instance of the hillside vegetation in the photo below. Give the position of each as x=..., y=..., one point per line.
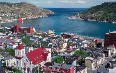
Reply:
x=105, y=12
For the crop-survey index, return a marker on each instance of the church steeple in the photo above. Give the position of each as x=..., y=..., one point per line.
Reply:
x=19, y=53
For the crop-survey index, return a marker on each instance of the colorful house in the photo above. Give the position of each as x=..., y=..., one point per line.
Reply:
x=19, y=29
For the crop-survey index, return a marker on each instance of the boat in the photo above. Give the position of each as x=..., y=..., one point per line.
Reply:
x=72, y=17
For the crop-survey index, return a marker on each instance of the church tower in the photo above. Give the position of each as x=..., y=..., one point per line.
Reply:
x=19, y=54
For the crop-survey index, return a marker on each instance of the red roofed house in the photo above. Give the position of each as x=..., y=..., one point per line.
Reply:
x=27, y=62
x=19, y=29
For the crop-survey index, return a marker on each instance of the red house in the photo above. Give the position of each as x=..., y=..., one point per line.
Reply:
x=19, y=29
x=110, y=39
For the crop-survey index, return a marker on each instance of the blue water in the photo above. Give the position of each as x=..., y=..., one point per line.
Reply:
x=59, y=22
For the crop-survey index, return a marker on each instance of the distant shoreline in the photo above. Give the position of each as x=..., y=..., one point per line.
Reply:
x=27, y=18
x=78, y=17
x=88, y=37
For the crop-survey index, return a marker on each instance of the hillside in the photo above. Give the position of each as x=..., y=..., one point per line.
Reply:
x=9, y=11
x=106, y=12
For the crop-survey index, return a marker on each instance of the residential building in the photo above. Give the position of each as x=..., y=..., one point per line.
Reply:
x=110, y=39
x=9, y=61
x=19, y=29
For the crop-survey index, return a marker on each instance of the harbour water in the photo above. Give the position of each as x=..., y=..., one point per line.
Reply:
x=59, y=22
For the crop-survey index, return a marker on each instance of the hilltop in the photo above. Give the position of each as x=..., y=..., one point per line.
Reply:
x=10, y=11
x=106, y=12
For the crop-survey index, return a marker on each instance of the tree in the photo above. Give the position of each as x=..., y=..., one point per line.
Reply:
x=40, y=70
x=44, y=44
x=15, y=70
x=59, y=59
x=11, y=51
x=80, y=53
x=1, y=30
x=27, y=41
x=23, y=35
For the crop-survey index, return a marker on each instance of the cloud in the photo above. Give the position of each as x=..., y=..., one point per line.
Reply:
x=42, y=2
x=73, y=2
x=61, y=1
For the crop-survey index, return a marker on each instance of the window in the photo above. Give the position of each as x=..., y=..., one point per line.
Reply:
x=17, y=62
x=18, y=52
x=22, y=52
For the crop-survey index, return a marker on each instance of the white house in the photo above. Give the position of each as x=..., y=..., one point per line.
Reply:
x=112, y=49
x=10, y=62
x=85, y=43
x=17, y=40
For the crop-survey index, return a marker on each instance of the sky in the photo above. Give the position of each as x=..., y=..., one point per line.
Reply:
x=62, y=3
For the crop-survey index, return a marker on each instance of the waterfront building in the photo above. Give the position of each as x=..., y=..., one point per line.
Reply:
x=110, y=39
x=19, y=29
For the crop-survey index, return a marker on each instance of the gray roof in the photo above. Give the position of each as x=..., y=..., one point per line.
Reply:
x=81, y=67
x=3, y=40
x=48, y=64
x=8, y=57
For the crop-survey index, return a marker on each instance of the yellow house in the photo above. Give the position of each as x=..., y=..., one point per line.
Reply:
x=50, y=33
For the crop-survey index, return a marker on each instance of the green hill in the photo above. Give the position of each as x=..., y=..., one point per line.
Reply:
x=105, y=12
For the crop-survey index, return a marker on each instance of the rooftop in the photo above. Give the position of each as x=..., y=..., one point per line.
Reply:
x=80, y=67
x=64, y=66
x=37, y=56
